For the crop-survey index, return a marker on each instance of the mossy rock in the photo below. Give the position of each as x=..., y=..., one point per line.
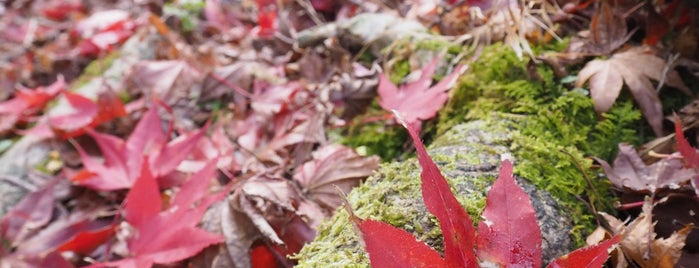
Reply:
x=469, y=157
x=526, y=111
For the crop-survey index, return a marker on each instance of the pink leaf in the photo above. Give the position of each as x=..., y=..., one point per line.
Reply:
x=417, y=101
x=143, y=201
x=123, y=159
x=457, y=227
x=85, y=112
x=389, y=246
x=508, y=233
x=588, y=257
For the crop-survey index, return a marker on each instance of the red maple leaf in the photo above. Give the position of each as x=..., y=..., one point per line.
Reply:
x=508, y=234
x=170, y=235
x=26, y=103
x=102, y=30
x=123, y=159
x=417, y=101
x=689, y=153
x=87, y=113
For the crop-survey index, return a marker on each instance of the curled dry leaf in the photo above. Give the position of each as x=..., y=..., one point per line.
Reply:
x=635, y=68
x=333, y=166
x=629, y=172
x=640, y=244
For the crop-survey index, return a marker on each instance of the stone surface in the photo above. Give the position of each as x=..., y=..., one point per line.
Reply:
x=469, y=157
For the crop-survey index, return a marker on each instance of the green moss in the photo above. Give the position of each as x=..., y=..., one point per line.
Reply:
x=548, y=119
x=388, y=142
x=96, y=68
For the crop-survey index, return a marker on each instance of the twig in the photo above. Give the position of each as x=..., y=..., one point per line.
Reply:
x=589, y=182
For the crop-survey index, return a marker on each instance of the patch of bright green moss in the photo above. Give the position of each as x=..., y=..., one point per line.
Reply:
x=549, y=120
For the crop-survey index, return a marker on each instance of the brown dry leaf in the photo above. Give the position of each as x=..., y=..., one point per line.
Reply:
x=333, y=165
x=641, y=245
x=635, y=68
x=629, y=172
x=608, y=31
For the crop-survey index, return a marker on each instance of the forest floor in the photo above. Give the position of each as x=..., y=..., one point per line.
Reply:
x=218, y=132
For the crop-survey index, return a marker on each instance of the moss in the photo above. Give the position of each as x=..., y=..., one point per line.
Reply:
x=554, y=127
x=377, y=138
x=96, y=68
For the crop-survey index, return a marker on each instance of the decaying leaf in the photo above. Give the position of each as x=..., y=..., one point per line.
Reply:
x=608, y=30
x=635, y=68
x=629, y=172
x=640, y=244
x=333, y=166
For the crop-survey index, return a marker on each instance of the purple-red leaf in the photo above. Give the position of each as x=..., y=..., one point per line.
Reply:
x=33, y=212
x=587, y=257
x=389, y=246
x=508, y=233
x=457, y=227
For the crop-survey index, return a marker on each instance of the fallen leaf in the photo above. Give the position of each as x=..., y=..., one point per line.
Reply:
x=170, y=235
x=29, y=215
x=26, y=103
x=417, y=101
x=608, y=30
x=389, y=246
x=641, y=245
x=629, y=172
x=635, y=68
x=588, y=257
x=333, y=166
x=122, y=159
x=508, y=233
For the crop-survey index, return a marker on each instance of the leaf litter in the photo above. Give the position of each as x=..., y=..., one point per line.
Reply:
x=250, y=186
